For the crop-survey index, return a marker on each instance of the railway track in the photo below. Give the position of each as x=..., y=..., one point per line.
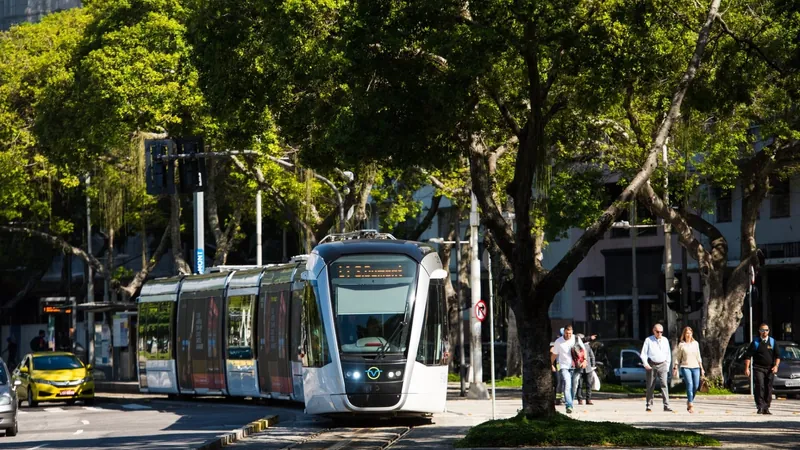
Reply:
x=352, y=437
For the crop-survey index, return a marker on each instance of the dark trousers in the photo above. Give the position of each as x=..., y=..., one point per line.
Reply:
x=762, y=389
x=585, y=386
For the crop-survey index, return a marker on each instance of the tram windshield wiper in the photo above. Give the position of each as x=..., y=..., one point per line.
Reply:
x=401, y=326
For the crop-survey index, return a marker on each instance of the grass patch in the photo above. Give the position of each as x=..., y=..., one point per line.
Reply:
x=453, y=377
x=679, y=389
x=561, y=430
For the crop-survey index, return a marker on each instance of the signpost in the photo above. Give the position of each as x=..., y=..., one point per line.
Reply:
x=480, y=310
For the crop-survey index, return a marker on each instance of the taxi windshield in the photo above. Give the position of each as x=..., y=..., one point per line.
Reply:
x=56, y=362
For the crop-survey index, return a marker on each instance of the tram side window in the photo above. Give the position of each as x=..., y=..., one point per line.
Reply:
x=155, y=325
x=314, y=345
x=433, y=341
x=240, y=326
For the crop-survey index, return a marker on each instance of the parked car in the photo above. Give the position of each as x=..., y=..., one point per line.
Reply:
x=609, y=356
x=8, y=402
x=787, y=380
x=54, y=377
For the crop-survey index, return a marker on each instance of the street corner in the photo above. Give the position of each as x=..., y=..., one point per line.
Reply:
x=251, y=428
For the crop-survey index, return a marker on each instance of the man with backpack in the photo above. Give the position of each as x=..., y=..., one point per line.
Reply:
x=570, y=353
x=766, y=359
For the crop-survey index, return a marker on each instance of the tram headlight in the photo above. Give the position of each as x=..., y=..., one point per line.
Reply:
x=398, y=374
x=391, y=374
x=348, y=374
x=356, y=375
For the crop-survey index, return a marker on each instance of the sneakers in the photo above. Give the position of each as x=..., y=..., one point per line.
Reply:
x=667, y=409
x=569, y=410
x=648, y=409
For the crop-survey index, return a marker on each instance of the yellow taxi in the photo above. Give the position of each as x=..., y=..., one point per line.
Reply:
x=54, y=377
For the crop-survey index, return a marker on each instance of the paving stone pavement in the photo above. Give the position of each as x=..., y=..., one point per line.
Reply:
x=731, y=419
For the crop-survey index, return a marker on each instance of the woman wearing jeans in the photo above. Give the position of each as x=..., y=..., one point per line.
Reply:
x=691, y=365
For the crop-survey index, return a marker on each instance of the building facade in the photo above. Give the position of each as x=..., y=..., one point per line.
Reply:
x=19, y=11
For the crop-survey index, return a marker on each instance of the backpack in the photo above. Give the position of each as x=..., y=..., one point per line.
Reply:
x=771, y=341
x=578, y=353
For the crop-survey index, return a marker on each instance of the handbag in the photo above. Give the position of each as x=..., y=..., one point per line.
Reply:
x=595, y=381
x=703, y=385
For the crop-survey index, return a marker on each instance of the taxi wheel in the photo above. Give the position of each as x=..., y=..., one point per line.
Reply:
x=11, y=432
x=89, y=401
x=31, y=402
x=70, y=402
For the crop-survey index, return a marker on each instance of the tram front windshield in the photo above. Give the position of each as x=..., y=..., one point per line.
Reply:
x=372, y=297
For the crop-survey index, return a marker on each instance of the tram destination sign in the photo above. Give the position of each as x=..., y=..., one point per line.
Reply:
x=372, y=271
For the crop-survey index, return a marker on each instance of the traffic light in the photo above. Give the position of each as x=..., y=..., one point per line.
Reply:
x=159, y=170
x=191, y=168
x=674, y=294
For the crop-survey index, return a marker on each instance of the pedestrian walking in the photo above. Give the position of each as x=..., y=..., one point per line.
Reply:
x=585, y=375
x=11, y=349
x=766, y=359
x=558, y=385
x=39, y=343
x=690, y=364
x=570, y=353
x=656, y=358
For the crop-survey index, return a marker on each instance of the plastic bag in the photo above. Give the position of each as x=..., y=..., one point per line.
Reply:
x=595, y=381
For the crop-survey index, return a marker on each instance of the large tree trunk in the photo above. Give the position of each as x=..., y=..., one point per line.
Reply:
x=175, y=236
x=534, y=333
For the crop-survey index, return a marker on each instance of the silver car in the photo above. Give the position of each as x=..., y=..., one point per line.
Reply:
x=8, y=403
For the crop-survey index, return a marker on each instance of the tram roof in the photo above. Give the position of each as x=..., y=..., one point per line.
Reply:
x=332, y=251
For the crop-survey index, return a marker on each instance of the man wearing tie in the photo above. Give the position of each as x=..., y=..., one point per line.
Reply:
x=657, y=359
x=766, y=359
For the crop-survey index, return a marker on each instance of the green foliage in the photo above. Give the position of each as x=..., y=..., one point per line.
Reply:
x=560, y=430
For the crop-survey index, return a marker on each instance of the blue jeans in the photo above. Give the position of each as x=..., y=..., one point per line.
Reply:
x=570, y=377
x=691, y=378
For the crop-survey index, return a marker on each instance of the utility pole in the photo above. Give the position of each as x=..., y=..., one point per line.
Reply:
x=461, y=367
x=89, y=279
x=258, y=227
x=477, y=389
x=634, y=279
x=669, y=271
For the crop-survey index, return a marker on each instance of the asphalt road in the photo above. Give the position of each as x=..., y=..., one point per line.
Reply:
x=158, y=424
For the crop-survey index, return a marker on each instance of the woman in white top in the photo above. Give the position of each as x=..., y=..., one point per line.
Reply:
x=690, y=364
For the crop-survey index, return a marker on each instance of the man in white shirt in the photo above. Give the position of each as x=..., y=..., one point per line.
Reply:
x=657, y=359
x=562, y=350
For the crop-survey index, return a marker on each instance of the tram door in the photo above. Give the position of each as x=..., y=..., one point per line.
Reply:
x=200, y=358
x=274, y=365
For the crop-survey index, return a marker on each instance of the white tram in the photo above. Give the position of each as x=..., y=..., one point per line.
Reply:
x=357, y=327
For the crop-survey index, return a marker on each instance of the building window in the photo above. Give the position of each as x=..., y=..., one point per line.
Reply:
x=724, y=207
x=779, y=199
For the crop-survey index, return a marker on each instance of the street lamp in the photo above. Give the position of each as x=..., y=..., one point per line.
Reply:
x=625, y=225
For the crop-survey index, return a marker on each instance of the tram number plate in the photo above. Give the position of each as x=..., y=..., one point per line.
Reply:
x=792, y=383
x=66, y=393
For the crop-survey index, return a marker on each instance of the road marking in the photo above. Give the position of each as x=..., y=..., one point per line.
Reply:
x=79, y=432
x=85, y=422
x=39, y=446
x=92, y=408
x=55, y=409
x=135, y=406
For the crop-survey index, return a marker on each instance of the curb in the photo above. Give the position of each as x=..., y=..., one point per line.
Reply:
x=241, y=433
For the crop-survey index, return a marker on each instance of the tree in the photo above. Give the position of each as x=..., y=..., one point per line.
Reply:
x=723, y=149
x=408, y=85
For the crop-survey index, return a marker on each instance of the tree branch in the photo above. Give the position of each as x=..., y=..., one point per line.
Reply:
x=60, y=244
x=751, y=46
x=632, y=119
x=138, y=279
x=504, y=111
x=555, y=279
x=427, y=220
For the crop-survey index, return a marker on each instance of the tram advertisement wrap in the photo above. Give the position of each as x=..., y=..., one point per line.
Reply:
x=200, y=328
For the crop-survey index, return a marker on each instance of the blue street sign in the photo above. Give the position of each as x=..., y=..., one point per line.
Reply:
x=200, y=261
